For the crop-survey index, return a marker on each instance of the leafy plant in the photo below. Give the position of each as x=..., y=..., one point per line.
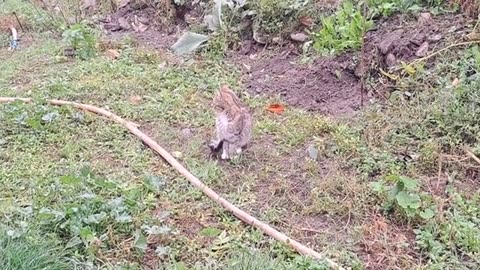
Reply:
x=454, y=243
x=404, y=195
x=82, y=39
x=341, y=31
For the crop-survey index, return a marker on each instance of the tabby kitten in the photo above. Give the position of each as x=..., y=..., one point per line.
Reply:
x=233, y=123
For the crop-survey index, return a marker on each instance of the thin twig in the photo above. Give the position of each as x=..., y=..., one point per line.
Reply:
x=362, y=55
x=444, y=49
x=242, y=215
x=18, y=21
x=439, y=176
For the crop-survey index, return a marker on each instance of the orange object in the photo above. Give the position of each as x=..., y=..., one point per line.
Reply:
x=276, y=108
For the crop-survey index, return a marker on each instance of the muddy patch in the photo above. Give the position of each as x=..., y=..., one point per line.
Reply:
x=328, y=85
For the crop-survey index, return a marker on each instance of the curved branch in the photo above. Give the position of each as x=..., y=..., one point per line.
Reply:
x=244, y=216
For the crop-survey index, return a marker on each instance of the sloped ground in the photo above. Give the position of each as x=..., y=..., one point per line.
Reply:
x=324, y=201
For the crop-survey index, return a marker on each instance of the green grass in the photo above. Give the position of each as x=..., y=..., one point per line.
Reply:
x=33, y=253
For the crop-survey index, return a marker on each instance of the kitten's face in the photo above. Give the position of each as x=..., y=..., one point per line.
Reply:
x=226, y=99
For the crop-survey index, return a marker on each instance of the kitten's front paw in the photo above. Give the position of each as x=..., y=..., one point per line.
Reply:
x=225, y=156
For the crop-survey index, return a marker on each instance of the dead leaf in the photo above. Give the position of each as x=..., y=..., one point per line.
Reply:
x=135, y=100
x=112, y=54
x=305, y=20
x=276, y=108
x=422, y=50
x=472, y=36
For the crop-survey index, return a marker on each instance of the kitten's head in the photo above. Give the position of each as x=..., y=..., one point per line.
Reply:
x=226, y=100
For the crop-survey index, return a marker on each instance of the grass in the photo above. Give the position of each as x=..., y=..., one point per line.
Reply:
x=89, y=193
x=33, y=253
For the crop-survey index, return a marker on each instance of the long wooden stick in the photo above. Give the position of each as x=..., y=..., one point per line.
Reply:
x=247, y=218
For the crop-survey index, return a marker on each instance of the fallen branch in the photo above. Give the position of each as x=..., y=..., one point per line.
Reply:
x=247, y=218
x=471, y=154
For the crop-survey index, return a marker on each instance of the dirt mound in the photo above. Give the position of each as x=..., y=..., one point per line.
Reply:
x=403, y=38
x=331, y=85
x=328, y=85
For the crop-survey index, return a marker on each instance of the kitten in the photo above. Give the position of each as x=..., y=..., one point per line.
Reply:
x=233, y=123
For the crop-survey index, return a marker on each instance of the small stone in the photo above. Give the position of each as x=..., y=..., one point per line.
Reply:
x=300, y=37
x=124, y=23
x=112, y=54
x=187, y=133
x=177, y=154
x=422, y=50
x=390, y=60
x=276, y=40
x=391, y=38
x=424, y=18
x=435, y=37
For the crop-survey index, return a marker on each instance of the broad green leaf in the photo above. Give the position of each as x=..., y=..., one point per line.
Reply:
x=406, y=200
x=69, y=180
x=377, y=186
x=427, y=214
x=95, y=218
x=409, y=183
x=188, y=42
x=210, y=232
x=74, y=241
x=154, y=183
x=160, y=250
x=156, y=230
x=140, y=241
x=50, y=117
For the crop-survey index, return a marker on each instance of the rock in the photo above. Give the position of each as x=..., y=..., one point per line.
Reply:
x=435, y=37
x=417, y=39
x=391, y=38
x=124, y=23
x=390, y=60
x=138, y=4
x=424, y=18
x=187, y=133
x=306, y=21
x=422, y=50
x=300, y=37
x=112, y=54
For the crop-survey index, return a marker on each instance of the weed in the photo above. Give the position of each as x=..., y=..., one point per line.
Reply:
x=404, y=195
x=341, y=31
x=82, y=39
x=31, y=252
x=453, y=243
